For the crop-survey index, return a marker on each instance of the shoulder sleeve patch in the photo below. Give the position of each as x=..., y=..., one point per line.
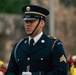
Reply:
x=60, y=43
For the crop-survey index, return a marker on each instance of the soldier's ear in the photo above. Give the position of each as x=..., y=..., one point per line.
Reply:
x=42, y=22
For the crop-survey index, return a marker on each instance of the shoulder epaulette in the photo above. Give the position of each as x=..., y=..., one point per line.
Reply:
x=55, y=39
x=51, y=37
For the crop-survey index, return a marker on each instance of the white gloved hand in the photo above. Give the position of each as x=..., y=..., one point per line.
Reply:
x=26, y=73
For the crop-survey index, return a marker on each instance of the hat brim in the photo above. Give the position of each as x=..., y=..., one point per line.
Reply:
x=29, y=19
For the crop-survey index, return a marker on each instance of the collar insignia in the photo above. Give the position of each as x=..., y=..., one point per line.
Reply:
x=25, y=41
x=42, y=41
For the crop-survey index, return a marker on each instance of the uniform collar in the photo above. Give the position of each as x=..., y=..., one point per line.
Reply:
x=36, y=38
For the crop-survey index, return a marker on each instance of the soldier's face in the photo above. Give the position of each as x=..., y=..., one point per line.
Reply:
x=30, y=25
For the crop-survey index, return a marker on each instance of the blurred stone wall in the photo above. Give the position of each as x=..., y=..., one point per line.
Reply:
x=11, y=30
x=66, y=26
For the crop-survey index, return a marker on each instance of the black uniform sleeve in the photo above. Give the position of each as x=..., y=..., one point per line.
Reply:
x=59, y=62
x=13, y=66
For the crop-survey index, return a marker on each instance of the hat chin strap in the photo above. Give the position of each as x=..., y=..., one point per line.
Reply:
x=35, y=28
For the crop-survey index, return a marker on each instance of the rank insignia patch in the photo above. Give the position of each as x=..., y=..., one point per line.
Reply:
x=62, y=58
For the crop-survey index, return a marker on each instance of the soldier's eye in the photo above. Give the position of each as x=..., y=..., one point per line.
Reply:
x=30, y=21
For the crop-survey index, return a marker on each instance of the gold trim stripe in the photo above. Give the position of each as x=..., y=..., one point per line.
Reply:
x=35, y=13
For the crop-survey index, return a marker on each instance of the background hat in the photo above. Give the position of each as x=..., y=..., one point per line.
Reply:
x=33, y=12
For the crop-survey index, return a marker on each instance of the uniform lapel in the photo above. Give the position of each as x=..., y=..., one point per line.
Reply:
x=39, y=45
x=25, y=46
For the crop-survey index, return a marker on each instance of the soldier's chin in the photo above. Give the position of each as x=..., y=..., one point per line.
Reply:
x=28, y=34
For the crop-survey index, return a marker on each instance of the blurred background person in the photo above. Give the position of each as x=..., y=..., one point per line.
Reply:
x=2, y=68
x=73, y=69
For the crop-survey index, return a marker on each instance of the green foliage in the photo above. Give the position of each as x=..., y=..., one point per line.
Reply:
x=12, y=6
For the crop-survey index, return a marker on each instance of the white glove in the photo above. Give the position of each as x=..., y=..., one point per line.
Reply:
x=26, y=73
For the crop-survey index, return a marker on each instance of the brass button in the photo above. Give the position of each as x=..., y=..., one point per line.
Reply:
x=42, y=41
x=28, y=58
x=41, y=58
x=18, y=59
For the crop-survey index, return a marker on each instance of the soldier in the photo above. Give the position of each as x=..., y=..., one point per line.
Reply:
x=37, y=54
x=70, y=62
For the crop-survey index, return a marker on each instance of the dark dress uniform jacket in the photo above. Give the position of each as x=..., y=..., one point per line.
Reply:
x=42, y=58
